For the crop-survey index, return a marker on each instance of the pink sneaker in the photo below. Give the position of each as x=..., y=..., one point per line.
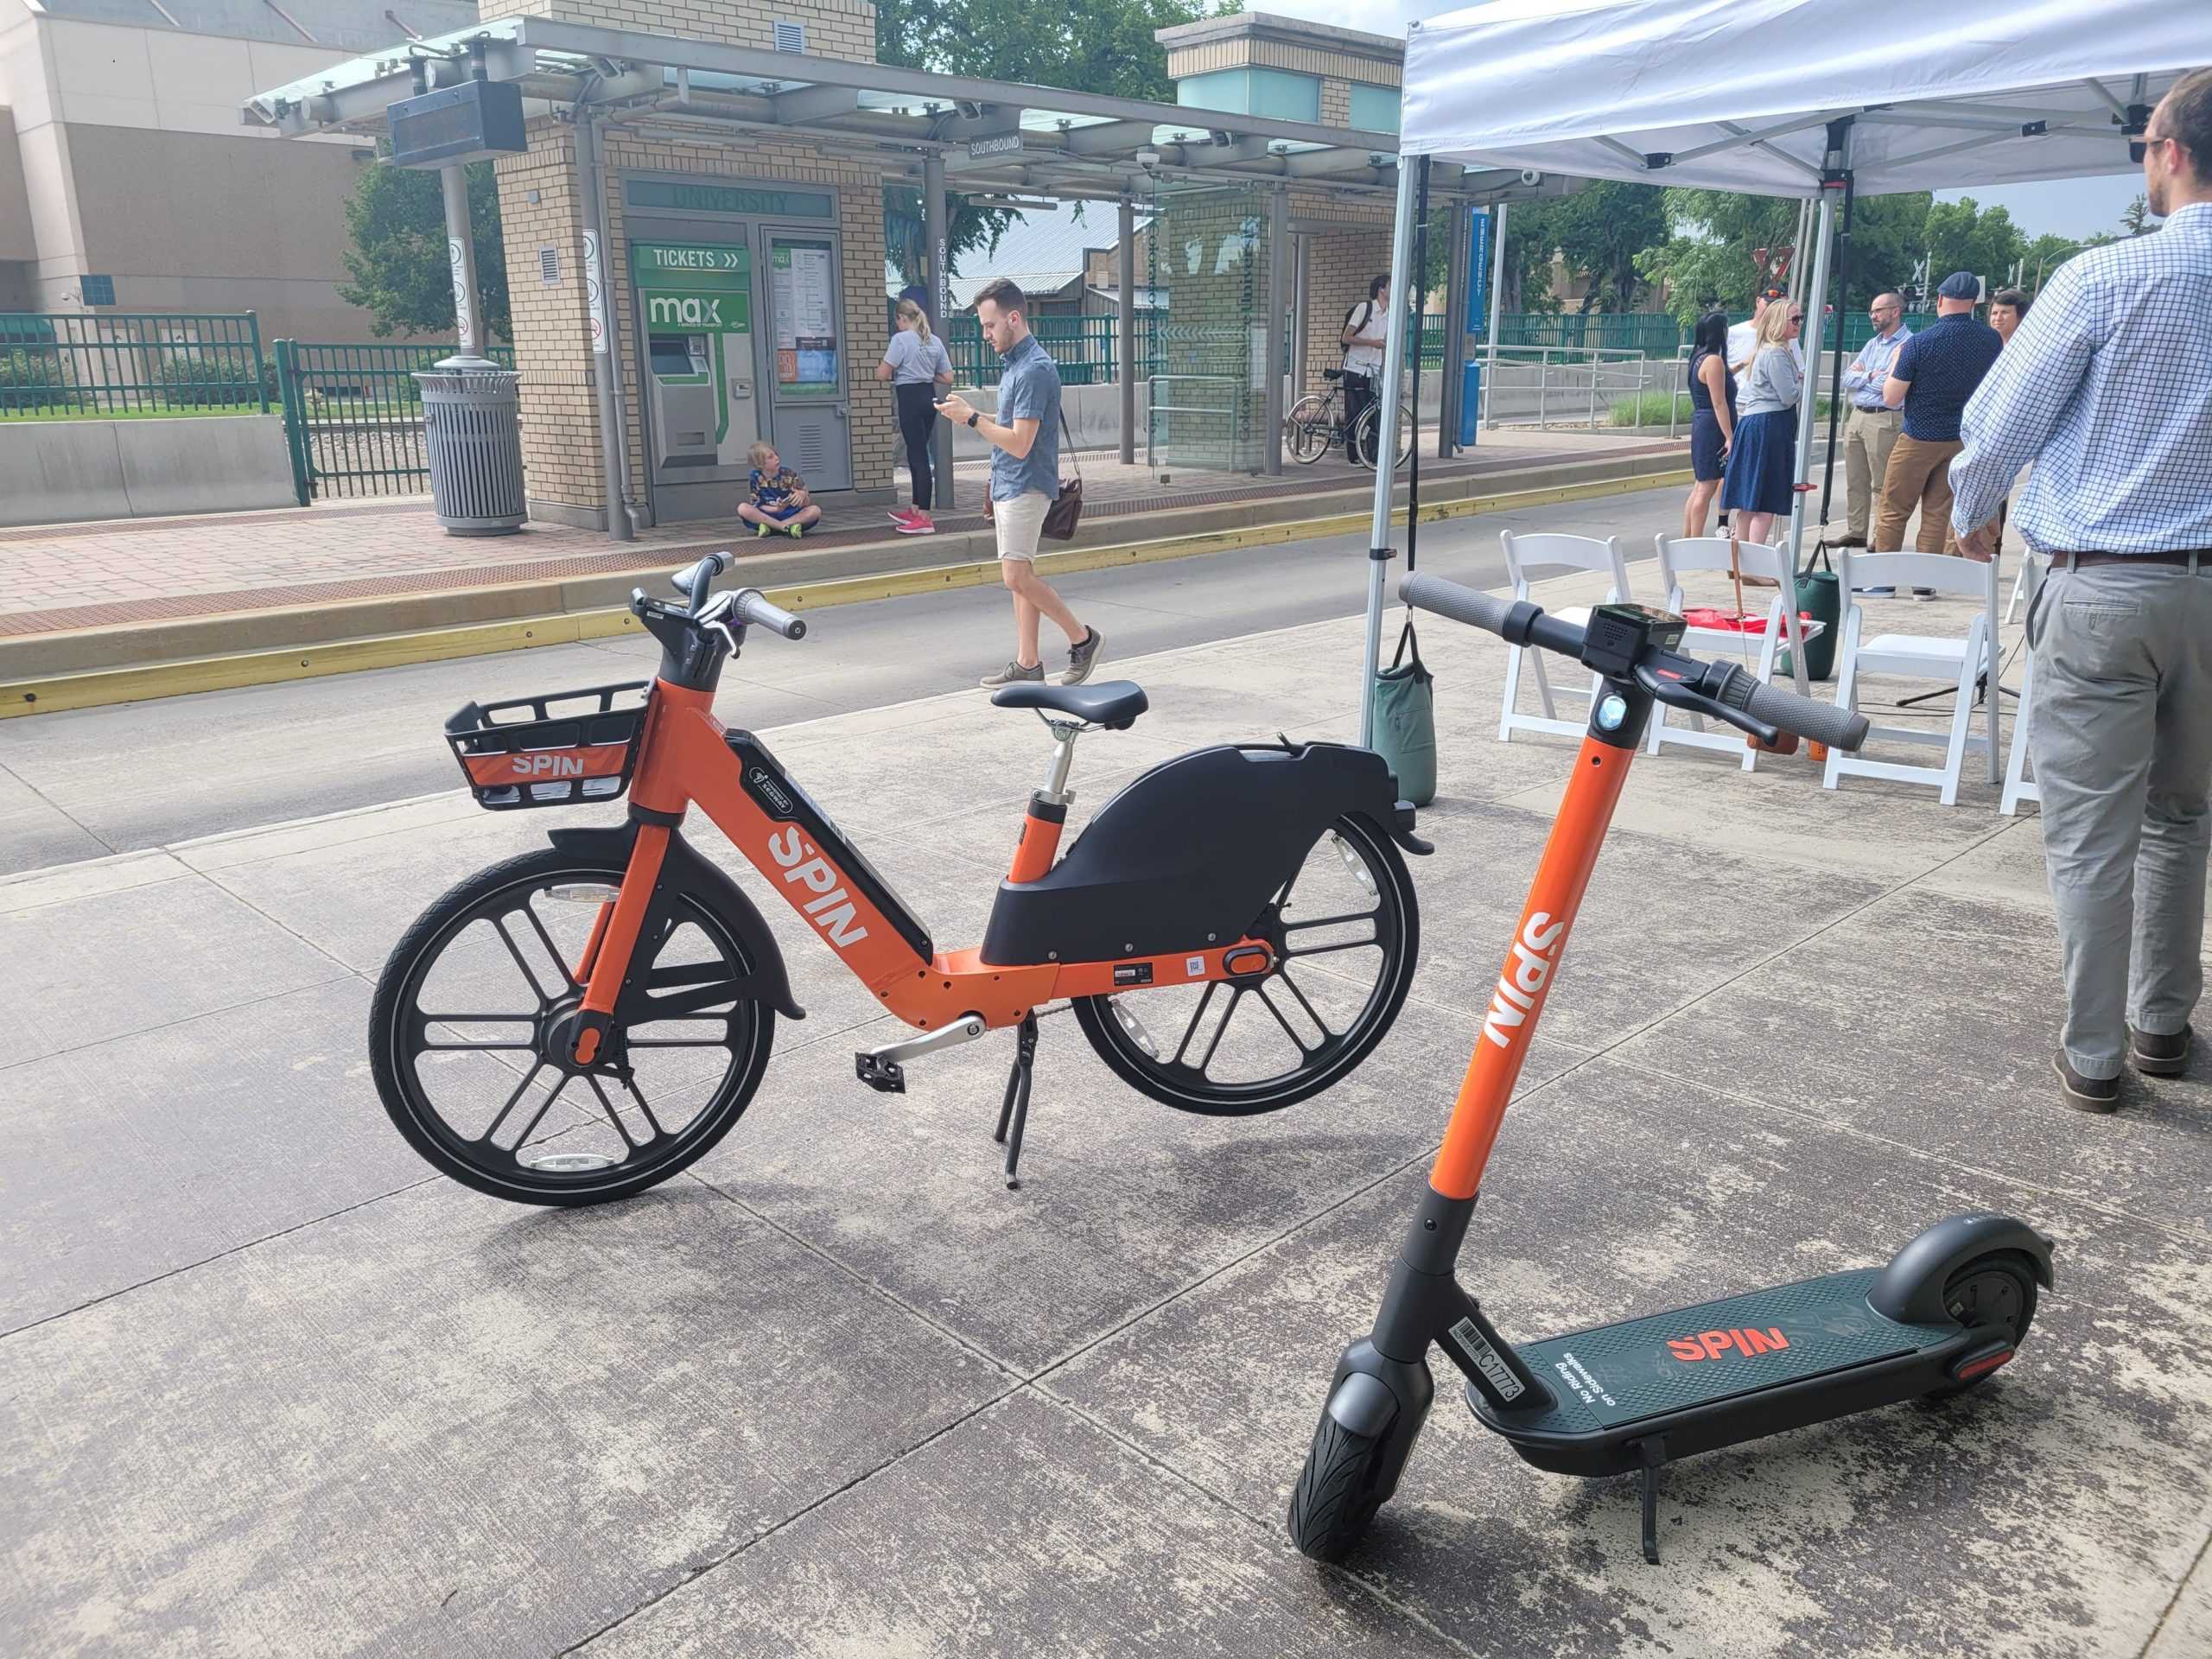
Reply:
x=916, y=523
x=899, y=515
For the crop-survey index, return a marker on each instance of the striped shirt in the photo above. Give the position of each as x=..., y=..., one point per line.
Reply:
x=2108, y=388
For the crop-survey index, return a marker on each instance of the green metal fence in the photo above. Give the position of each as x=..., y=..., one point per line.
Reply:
x=1085, y=348
x=353, y=416
x=64, y=366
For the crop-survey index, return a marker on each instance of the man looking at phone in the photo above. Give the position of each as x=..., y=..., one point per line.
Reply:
x=1025, y=443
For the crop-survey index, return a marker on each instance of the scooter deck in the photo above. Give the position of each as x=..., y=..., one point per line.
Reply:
x=1611, y=1376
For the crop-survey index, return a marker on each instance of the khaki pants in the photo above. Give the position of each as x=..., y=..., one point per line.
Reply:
x=2122, y=744
x=1919, y=475
x=1867, y=438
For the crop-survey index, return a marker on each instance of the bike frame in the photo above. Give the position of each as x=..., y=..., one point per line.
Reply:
x=687, y=757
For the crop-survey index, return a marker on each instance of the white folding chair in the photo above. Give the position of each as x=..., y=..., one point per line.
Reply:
x=1680, y=556
x=2018, y=786
x=1919, y=655
x=2025, y=580
x=1578, y=553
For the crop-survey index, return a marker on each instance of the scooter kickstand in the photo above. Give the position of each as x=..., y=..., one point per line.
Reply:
x=1014, y=1108
x=1655, y=1458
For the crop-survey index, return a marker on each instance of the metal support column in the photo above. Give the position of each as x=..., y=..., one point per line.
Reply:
x=1125, y=338
x=1277, y=301
x=605, y=356
x=1496, y=304
x=1301, y=320
x=461, y=256
x=937, y=229
x=1379, y=554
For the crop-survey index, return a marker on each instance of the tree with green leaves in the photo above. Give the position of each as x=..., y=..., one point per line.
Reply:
x=1101, y=46
x=1599, y=232
x=402, y=277
x=2136, y=218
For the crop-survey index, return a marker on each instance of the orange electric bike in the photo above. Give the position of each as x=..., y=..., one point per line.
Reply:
x=1235, y=929
x=1943, y=1314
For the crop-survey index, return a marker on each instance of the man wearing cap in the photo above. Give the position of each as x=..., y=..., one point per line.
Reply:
x=1936, y=371
x=2105, y=389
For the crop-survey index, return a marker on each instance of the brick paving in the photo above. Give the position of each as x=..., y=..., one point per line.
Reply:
x=65, y=577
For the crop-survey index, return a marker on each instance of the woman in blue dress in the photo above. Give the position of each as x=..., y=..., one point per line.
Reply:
x=1762, y=460
x=1713, y=418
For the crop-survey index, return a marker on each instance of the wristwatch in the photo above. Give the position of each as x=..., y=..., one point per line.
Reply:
x=976, y=416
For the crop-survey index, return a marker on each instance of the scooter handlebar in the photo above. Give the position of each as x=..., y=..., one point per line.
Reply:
x=1823, y=723
x=1462, y=604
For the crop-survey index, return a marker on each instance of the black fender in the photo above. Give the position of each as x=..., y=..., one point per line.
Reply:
x=1910, y=1289
x=684, y=871
x=1189, y=852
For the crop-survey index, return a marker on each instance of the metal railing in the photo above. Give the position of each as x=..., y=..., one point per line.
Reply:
x=62, y=366
x=1085, y=348
x=353, y=416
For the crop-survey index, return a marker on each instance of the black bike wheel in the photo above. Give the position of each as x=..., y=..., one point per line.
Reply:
x=1345, y=932
x=1370, y=422
x=1305, y=429
x=464, y=1040
x=1997, y=1289
x=1335, y=1498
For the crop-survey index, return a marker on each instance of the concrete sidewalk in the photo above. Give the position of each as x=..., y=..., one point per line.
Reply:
x=86, y=598
x=272, y=1387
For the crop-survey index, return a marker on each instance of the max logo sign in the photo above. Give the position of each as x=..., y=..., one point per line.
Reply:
x=832, y=911
x=1711, y=1345
x=1528, y=971
x=686, y=311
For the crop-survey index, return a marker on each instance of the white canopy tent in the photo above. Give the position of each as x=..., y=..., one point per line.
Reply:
x=1783, y=98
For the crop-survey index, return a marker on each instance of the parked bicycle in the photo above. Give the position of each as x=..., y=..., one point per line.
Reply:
x=1315, y=425
x=578, y=1023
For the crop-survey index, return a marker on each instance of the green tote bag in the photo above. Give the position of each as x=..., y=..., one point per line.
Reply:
x=1405, y=720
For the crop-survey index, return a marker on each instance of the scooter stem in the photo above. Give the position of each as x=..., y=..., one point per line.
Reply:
x=1532, y=961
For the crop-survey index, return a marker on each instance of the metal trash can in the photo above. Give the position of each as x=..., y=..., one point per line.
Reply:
x=471, y=427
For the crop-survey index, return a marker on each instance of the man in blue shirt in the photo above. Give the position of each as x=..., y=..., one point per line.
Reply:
x=1937, y=370
x=2108, y=388
x=1871, y=431
x=1025, y=442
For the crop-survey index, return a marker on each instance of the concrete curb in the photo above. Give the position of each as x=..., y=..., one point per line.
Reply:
x=339, y=639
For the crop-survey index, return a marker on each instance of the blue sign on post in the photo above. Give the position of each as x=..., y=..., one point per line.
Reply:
x=1471, y=370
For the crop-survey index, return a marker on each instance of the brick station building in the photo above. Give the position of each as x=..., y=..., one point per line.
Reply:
x=720, y=267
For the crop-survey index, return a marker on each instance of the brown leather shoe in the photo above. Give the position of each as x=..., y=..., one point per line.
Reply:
x=2159, y=1057
x=2098, y=1094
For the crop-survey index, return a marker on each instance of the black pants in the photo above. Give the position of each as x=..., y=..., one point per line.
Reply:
x=917, y=424
x=1359, y=395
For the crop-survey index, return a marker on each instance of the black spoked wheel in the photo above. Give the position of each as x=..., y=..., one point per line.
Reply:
x=1997, y=1289
x=1337, y=1494
x=1344, y=933
x=469, y=1037
x=1305, y=429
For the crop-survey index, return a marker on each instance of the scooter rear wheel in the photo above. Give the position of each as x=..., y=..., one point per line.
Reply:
x=1335, y=1498
x=1345, y=932
x=1997, y=1289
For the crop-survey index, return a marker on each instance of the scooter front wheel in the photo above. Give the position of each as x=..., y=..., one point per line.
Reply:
x=1336, y=1495
x=1345, y=932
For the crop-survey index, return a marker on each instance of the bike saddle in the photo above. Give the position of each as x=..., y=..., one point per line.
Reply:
x=1115, y=704
x=1332, y=374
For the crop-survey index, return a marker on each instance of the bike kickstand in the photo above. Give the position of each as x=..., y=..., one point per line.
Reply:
x=1014, y=1108
x=1655, y=1458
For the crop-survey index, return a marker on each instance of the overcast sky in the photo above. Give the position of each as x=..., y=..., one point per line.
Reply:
x=2067, y=206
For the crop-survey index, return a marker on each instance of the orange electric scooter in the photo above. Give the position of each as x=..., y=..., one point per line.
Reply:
x=1235, y=929
x=1946, y=1311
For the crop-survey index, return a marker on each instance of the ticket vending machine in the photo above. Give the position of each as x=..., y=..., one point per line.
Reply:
x=695, y=312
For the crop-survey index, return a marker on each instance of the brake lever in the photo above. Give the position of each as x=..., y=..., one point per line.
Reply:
x=1676, y=693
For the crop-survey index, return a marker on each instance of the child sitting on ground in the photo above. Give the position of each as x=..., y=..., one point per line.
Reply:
x=779, y=500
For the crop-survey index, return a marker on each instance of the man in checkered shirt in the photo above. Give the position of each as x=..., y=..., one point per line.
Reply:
x=2108, y=388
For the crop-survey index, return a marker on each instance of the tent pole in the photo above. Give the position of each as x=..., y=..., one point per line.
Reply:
x=1386, y=449
x=1840, y=145
x=1815, y=298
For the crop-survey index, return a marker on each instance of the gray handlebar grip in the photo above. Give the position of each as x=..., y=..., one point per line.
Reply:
x=1823, y=723
x=694, y=579
x=1462, y=604
x=756, y=611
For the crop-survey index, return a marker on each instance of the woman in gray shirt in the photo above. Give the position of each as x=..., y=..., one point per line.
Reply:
x=1763, y=459
x=916, y=364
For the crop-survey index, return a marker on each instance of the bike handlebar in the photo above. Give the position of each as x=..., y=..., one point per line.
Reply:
x=1743, y=699
x=753, y=608
x=694, y=579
